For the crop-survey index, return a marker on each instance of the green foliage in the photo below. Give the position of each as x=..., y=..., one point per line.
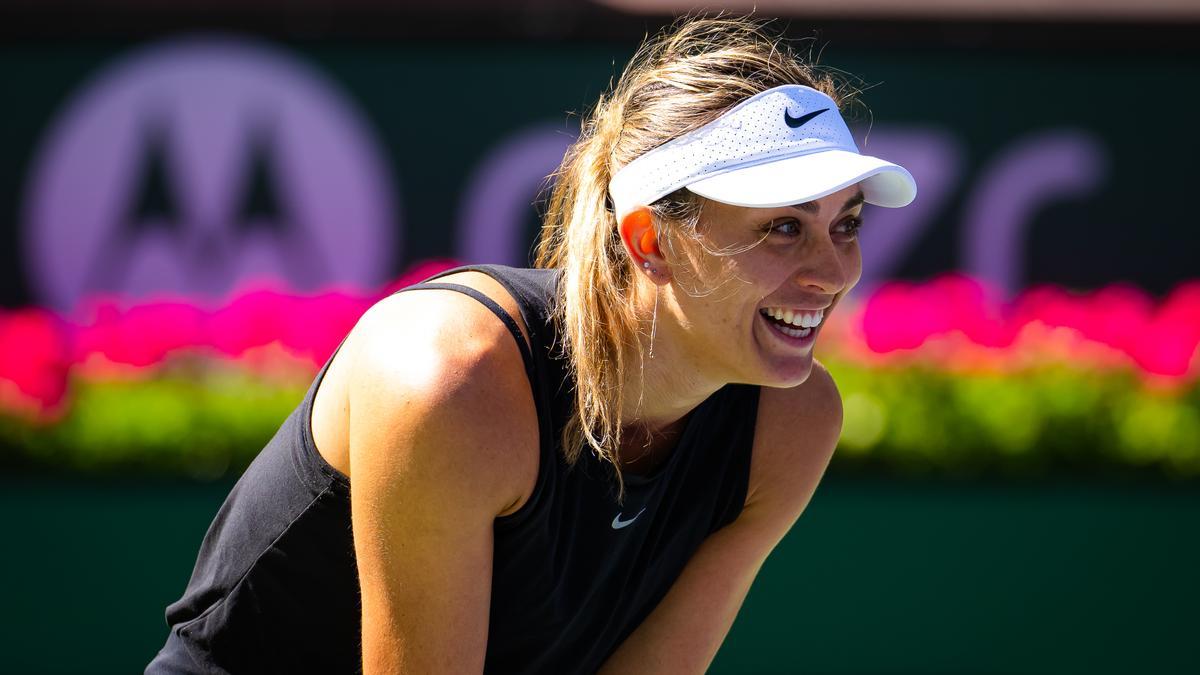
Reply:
x=205, y=418
x=204, y=423
x=917, y=419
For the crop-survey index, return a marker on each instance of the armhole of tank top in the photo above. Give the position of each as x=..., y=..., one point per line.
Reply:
x=308, y=440
x=545, y=446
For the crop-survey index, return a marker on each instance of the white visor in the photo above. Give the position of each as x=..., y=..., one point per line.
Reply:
x=783, y=146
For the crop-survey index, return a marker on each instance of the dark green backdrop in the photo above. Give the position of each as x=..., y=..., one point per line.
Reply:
x=877, y=577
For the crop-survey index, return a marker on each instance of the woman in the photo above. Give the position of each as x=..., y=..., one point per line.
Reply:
x=579, y=467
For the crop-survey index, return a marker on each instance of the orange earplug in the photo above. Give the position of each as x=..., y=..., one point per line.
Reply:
x=641, y=220
x=649, y=242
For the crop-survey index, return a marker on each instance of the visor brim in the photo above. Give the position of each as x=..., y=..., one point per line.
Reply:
x=795, y=180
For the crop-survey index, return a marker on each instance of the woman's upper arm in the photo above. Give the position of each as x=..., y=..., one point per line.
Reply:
x=795, y=437
x=441, y=427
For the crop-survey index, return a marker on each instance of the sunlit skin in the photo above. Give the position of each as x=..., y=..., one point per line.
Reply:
x=809, y=258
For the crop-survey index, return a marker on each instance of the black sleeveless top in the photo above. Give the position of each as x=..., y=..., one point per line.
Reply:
x=275, y=587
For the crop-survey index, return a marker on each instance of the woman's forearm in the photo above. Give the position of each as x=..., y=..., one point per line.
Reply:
x=683, y=634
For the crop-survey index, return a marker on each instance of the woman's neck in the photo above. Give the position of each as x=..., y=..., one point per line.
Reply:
x=663, y=385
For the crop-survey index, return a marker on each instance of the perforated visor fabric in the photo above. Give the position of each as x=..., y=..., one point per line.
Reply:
x=791, y=140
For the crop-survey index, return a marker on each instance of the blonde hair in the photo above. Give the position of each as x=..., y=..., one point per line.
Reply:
x=679, y=80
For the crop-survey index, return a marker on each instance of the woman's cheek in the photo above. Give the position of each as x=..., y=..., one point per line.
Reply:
x=853, y=267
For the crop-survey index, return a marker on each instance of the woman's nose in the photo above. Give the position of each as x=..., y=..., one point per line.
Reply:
x=821, y=267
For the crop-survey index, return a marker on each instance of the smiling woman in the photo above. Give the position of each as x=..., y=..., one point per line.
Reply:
x=783, y=269
x=579, y=467
x=715, y=115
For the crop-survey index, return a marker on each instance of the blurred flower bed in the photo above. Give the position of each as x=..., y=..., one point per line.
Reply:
x=937, y=378
x=943, y=378
x=165, y=387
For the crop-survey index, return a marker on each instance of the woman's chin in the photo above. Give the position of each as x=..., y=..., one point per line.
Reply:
x=787, y=361
x=786, y=373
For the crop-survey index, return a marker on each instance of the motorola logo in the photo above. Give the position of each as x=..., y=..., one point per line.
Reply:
x=198, y=165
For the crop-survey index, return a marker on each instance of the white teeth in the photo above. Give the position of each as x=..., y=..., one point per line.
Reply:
x=800, y=319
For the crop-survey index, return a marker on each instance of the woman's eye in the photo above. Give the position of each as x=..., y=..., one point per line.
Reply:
x=786, y=227
x=850, y=226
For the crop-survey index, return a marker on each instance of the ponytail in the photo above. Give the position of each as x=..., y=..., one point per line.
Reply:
x=596, y=318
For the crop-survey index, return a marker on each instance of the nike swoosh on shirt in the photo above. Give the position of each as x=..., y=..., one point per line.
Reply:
x=618, y=523
x=796, y=122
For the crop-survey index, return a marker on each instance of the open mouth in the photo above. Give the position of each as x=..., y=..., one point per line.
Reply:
x=793, y=324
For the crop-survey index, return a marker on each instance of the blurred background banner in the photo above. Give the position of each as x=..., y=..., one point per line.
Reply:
x=199, y=199
x=191, y=160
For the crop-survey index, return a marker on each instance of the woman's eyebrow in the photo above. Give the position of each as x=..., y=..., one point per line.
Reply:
x=811, y=207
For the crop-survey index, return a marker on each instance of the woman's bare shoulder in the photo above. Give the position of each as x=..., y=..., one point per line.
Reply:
x=439, y=366
x=795, y=435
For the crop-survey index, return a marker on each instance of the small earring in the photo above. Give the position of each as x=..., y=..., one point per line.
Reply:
x=646, y=264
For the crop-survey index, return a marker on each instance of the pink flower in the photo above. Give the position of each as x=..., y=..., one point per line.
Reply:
x=901, y=315
x=254, y=319
x=1167, y=345
x=142, y=335
x=1117, y=326
x=320, y=324
x=420, y=271
x=34, y=361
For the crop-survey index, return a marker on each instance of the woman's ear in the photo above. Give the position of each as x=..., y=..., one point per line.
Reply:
x=641, y=242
